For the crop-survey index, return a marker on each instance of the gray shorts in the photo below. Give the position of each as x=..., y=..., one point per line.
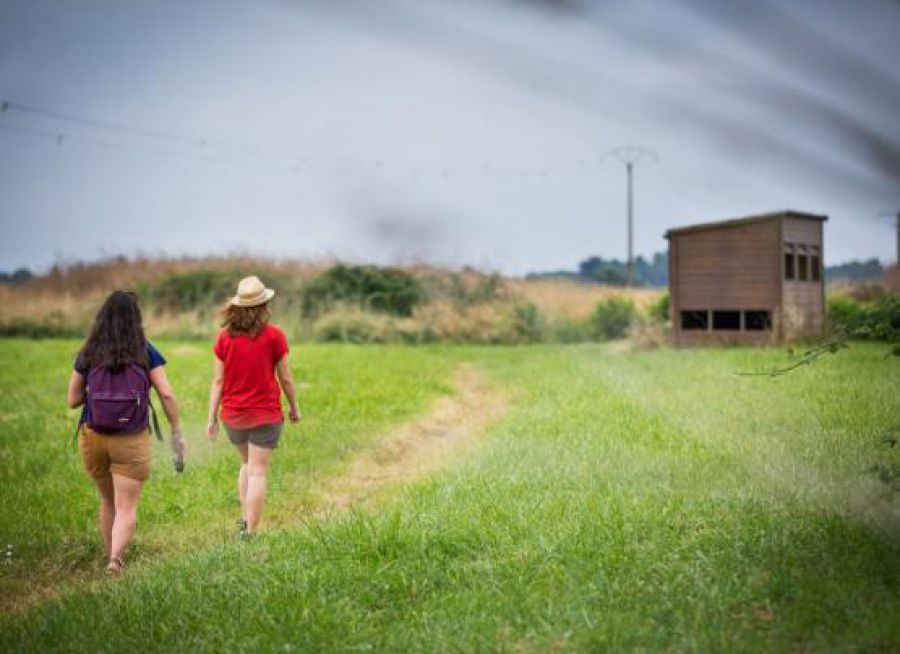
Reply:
x=262, y=435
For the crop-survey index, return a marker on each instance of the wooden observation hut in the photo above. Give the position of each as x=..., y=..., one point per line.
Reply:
x=749, y=280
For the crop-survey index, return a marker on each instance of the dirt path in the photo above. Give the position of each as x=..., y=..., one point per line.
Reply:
x=428, y=443
x=433, y=441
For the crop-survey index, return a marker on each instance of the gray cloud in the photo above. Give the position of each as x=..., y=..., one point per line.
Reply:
x=753, y=107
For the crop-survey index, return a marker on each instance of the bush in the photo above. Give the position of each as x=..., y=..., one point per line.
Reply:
x=51, y=328
x=568, y=330
x=523, y=325
x=843, y=314
x=190, y=290
x=612, y=318
x=353, y=325
x=659, y=310
x=876, y=320
x=649, y=334
x=881, y=319
x=388, y=290
x=467, y=292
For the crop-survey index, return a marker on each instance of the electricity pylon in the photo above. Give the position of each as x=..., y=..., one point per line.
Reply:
x=631, y=156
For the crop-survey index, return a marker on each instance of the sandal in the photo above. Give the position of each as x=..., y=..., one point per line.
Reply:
x=242, y=528
x=115, y=566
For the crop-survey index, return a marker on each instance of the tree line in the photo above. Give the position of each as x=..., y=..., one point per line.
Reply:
x=654, y=271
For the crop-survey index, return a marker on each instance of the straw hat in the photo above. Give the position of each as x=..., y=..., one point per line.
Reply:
x=251, y=293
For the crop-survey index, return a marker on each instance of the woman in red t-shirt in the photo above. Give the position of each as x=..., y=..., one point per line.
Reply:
x=250, y=353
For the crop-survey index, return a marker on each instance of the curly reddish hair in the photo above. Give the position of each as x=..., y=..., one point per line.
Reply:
x=245, y=321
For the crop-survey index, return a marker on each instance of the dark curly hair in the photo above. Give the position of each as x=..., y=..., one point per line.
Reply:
x=117, y=336
x=246, y=321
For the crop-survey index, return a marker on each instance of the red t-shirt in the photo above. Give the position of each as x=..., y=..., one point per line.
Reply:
x=250, y=394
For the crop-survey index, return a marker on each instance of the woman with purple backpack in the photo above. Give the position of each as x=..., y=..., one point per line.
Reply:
x=112, y=376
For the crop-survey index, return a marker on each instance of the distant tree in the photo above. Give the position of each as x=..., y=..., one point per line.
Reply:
x=854, y=271
x=653, y=272
x=603, y=271
x=18, y=276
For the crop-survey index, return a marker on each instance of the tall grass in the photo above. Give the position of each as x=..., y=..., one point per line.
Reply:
x=649, y=501
x=360, y=304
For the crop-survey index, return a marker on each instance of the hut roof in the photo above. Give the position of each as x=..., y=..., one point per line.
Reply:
x=734, y=222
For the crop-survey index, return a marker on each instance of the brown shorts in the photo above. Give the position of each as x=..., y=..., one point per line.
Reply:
x=128, y=456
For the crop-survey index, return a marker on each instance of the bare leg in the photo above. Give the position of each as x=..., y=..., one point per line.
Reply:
x=258, y=467
x=107, y=510
x=242, y=480
x=127, y=492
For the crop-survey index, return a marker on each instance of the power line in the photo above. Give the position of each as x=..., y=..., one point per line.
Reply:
x=102, y=124
x=291, y=161
x=63, y=138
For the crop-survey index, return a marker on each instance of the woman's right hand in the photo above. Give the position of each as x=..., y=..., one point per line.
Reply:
x=212, y=429
x=179, y=446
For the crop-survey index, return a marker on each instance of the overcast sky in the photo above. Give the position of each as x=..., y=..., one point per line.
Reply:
x=452, y=131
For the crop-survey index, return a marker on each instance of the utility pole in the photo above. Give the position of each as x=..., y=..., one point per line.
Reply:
x=632, y=156
x=896, y=217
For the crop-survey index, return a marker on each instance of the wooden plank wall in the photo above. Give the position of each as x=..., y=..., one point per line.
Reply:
x=728, y=268
x=691, y=337
x=803, y=303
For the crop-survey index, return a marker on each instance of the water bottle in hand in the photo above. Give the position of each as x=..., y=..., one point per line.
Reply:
x=178, y=447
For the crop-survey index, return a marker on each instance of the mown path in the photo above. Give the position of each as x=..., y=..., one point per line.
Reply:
x=449, y=430
x=444, y=433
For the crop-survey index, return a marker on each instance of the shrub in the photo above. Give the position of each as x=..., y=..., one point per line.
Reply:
x=659, y=310
x=648, y=334
x=881, y=319
x=388, y=290
x=568, y=330
x=190, y=290
x=443, y=320
x=467, y=292
x=843, y=314
x=876, y=320
x=612, y=318
x=352, y=325
x=51, y=328
x=523, y=325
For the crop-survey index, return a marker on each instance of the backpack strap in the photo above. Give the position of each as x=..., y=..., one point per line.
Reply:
x=75, y=435
x=155, y=423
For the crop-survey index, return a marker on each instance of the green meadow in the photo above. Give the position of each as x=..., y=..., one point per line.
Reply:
x=620, y=501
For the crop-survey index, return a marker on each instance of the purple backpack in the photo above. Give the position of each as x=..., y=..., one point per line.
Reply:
x=118, y=401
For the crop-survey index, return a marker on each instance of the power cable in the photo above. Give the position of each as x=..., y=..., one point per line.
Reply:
x=292, y=162
x=101, y=124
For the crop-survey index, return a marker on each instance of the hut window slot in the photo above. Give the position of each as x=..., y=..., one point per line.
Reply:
x=695, y=320
x=815, y=264
x=727, y=320
x=757, y=321
x=802, y=261
x=789, y=269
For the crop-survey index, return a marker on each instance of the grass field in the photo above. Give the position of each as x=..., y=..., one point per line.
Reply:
x=613, y=501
